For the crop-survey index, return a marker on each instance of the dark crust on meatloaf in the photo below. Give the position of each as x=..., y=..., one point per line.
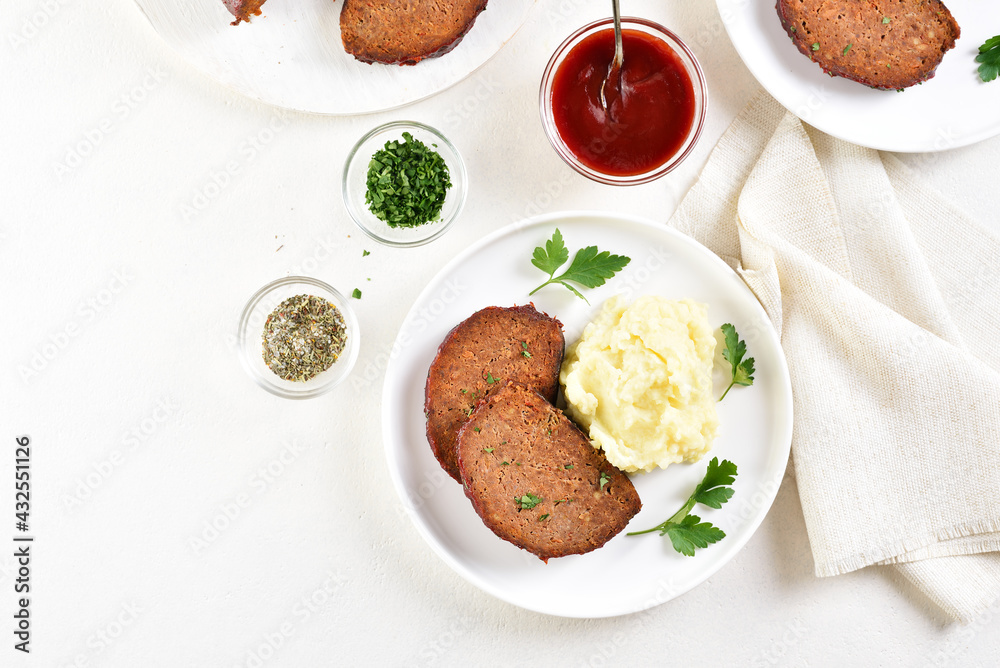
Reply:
x=404, y=32
x=489, y=345
x=242, y=9
x=891, y=55
x=517, y=443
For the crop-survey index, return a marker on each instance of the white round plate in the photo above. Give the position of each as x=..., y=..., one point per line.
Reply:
x=953, y=109
x=291, y=56
x=630, y=573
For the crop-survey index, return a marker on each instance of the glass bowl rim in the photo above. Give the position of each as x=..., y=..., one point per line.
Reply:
x=461, y=190
x=548, y=123
x=350, y=323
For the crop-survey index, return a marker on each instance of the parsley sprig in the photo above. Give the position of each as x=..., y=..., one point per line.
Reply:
x=989, y=57
x=590, y=267
x=736, y=348
x=407, y=183
x=687, y=532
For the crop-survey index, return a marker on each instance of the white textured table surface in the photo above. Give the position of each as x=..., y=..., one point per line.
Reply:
x=118, y=309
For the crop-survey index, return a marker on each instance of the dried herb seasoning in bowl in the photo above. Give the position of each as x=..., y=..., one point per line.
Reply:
x=404, y=184
x=298, y=337
x=303, y=337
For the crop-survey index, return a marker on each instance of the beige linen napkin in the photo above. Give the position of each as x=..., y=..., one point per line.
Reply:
x=887, y=300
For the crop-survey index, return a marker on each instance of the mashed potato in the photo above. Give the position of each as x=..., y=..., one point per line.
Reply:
x=640, y=379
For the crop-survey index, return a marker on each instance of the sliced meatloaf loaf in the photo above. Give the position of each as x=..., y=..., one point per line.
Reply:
x=888, y=44
x=535, y=479
x=243, y=9
x=404, y=32
x=491, y=345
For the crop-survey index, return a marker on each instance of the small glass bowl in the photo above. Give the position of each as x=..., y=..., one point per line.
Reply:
x=691, y=66
x=251, y=329
x=356, y=177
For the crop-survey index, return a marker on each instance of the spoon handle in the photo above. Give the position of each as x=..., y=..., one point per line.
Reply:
x=618, y=33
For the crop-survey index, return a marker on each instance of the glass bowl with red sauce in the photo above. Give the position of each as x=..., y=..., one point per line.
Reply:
x=654, y=119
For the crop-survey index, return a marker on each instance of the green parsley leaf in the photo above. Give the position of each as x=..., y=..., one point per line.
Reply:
x=365, y=253
x=544, y=517
x=687, y=532
x=847, y=48
x=356, y=294
x=490, y=380
x=524, y=349
x=487, y=450
x=989, y=57
x=815, y=46
x=407, y=183
x=605, y=479
x=528, y=501
x=476, y=429
x=712, y=491
x=692, y=534
x=886, y=19
x=552, y=256
x=589, y=268
x=742, y=369
x=568, y=467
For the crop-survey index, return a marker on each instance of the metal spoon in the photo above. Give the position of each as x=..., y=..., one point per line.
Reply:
x=615, y=68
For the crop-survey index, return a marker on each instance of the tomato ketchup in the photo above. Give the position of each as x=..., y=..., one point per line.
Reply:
x=649, y=116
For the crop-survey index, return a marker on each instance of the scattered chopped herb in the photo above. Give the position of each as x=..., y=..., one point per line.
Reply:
x=517, y=463
x=407, y=183
x=464, y=391
x=503, y=442
x=487, y=450
x=847, y=48
x=365, y=253
x=568, y=466
x=742, y=369
x=542, y=518
x=605, y=479
x=476, y=429
x=815, y=46
x=989, y=59
x=886, y=19
x=302, y=337
x=687, y=532
x=505, y=463
x=793, y=28
x=558, y=501
x=528, y=501
x=356, y=294
x=468, y=413
x=590, y=267
x=524, y=351
x=490, y=379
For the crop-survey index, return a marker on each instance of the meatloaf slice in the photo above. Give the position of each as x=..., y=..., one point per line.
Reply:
x=887, y=44
x=491, y=345
x=535, y=479
x=404, y=32
x=242, y=9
